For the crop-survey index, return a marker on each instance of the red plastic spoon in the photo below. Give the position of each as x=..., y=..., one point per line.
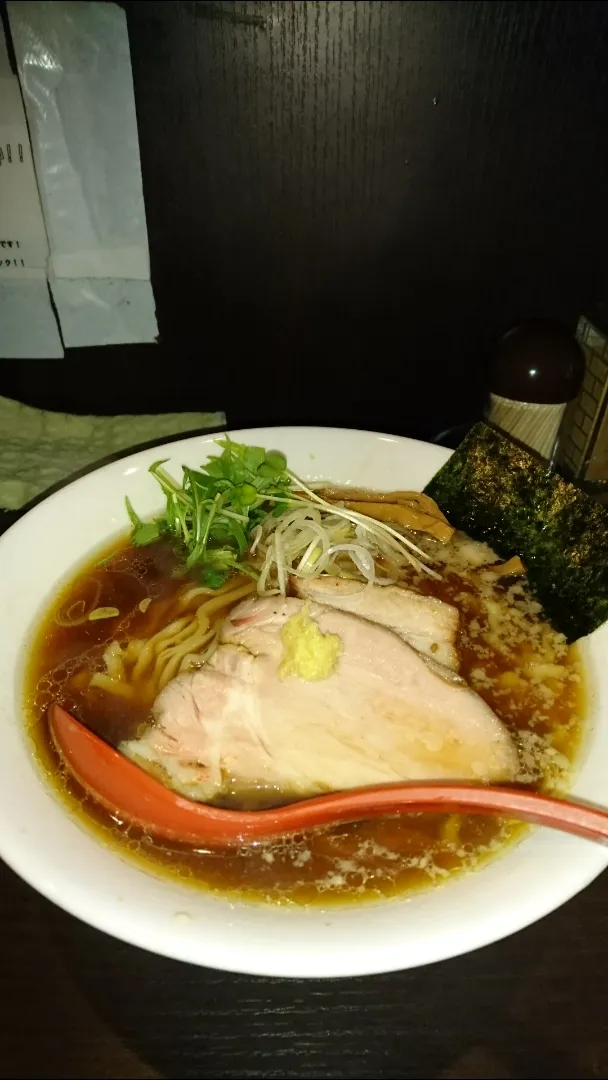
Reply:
x=134, y=796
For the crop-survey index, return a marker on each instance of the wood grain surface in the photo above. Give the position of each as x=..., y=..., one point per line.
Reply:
x=347, y=203
x=77, y=1003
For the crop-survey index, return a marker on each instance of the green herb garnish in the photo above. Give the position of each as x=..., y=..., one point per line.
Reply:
x=213, y=513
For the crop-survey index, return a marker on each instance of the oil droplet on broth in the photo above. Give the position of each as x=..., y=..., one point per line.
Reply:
x=364, y=861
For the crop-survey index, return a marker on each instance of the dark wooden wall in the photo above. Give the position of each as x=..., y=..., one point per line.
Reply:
x=348, y=202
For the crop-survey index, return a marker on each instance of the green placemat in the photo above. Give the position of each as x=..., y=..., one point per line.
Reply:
x=39, y=448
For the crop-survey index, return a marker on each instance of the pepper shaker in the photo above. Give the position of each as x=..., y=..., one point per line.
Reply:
x=536, y=369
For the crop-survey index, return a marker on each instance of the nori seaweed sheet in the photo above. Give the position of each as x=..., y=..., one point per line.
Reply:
x=496, y=491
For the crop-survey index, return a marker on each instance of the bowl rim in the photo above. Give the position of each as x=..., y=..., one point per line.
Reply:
x=384, y=955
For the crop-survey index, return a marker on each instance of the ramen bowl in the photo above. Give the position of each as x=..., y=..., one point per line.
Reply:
x=66, y=861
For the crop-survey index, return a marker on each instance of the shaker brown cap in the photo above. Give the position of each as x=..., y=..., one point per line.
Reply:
x=538, y=361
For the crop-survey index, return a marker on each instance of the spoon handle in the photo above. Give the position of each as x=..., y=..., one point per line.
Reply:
x=575, y=818
x=135, y=796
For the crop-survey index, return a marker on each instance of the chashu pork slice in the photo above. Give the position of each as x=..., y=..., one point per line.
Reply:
x=426, y=623
x=383, y=715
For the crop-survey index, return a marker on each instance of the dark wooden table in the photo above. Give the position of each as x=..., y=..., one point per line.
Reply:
x=77, y=1003
x=335, y=187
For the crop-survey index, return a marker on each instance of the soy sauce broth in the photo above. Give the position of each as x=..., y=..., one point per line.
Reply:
x=525, y=672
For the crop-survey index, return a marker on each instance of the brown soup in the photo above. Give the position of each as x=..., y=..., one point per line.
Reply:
x=523, y=669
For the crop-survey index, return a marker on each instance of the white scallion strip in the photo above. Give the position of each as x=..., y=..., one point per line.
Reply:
x=314, y=537
x=367, y=522
x=389, y=538
x=257, y=536
x=364, y=561
x=265, y=572
x=308, y=554
x=361, y=557
x=279, y=557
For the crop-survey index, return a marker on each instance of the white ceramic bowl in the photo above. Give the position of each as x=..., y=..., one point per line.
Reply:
x=56, y=855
